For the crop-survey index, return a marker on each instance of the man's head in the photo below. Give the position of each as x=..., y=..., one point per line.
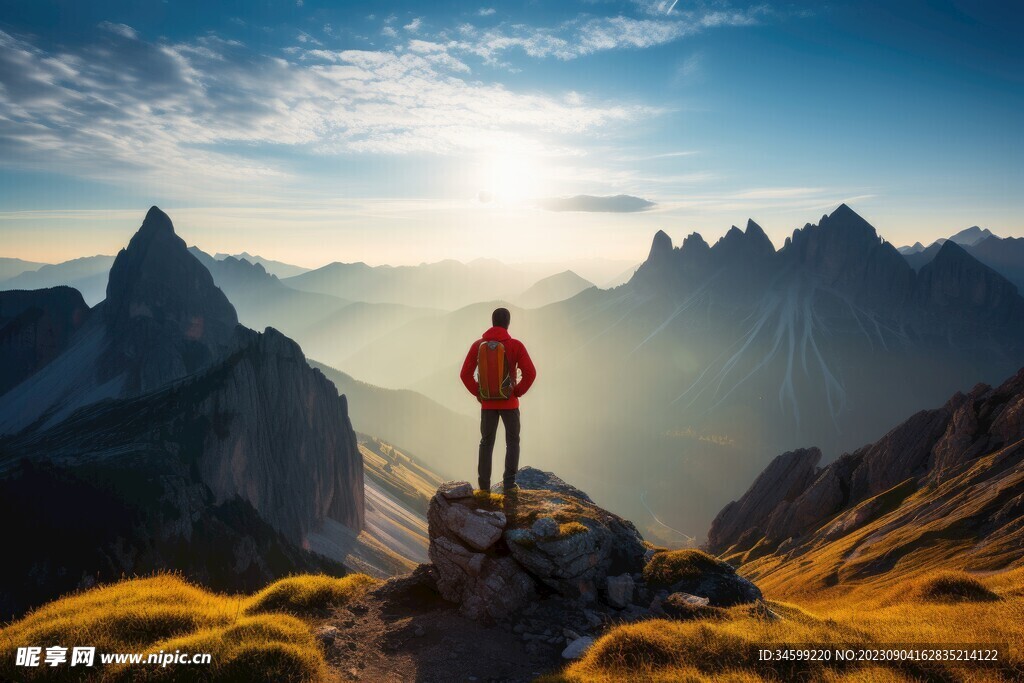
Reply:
x=501, y=317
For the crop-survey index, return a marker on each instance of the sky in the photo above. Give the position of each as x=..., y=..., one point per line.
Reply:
x=408, y=132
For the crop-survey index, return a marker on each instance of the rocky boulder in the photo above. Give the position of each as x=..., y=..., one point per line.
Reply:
x=469, y=569
x=495, y=555
x=699, y=574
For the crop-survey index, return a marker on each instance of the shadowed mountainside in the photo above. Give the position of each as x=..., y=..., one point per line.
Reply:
x=944, y=489
x=201, y=445
x=36, y=326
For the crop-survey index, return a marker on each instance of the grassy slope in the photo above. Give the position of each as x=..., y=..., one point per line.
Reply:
x=264, y=636
x=725, y=647
x=909, y=568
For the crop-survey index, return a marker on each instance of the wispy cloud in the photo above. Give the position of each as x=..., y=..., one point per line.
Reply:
x=588, y=35
x=122, y=108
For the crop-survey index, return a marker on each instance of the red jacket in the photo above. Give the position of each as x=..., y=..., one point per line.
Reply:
x=518, y=358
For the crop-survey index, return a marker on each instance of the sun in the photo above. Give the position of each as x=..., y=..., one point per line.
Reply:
x=509, y=177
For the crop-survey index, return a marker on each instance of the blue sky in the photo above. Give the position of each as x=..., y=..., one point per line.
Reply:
x=407, y=132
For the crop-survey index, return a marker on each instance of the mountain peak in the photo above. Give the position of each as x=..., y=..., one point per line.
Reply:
x=158, y=293
x=661, y=245
x=971, y=236
x=754, y=228
x=156, y=222
x=752, y=243
x=694, y=242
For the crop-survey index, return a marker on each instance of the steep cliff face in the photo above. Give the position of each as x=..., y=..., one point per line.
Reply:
x=283, y=440
x=947, y=484
x=35, y=327
x=256, y=451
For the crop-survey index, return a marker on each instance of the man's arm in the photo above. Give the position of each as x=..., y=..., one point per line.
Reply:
x=468, y=366
x=528, y=370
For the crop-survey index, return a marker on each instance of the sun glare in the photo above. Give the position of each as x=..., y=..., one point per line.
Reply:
x=510, y=178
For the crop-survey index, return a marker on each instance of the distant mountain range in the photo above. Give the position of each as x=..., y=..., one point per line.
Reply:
x=1005, y=255
x=552, y=289
x=664, y=394
x=661, y=395
x=276, y=268
x=87, y=274
x=965, y=238
x=10, y=267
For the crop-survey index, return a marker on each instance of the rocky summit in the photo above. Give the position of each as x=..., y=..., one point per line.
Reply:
x=496, y=555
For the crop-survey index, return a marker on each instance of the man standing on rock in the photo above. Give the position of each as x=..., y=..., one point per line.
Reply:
x=490, y=373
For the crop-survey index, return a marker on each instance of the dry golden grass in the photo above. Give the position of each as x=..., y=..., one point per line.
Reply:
x=951, y=587
x=725, y=649
x=254, y=637
x=309, y=594
x=488, y=499
x=571, y=529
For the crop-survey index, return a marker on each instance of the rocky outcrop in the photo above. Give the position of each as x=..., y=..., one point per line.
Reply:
x=785, y=478
x=495, y=555
x=469, y=569
x=35, y=327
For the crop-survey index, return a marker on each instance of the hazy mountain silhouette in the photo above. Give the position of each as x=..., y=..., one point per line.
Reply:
x=275, y=268
x=557, y=287
x=87, y=274
x=712, y=359
x=10, y=267
x=1005, y=255
x=444, y=285
x=262, y=300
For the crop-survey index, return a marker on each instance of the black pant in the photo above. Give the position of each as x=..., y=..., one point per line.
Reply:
x=488, y=432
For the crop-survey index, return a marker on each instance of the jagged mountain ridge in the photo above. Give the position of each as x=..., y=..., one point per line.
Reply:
x=278, y=269
x=944, y=488
x=713, y=359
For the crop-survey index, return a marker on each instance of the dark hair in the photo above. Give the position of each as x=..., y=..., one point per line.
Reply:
x=501, y=317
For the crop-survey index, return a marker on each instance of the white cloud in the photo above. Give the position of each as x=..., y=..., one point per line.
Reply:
x=130, y=110
x=414, y=25
x=485, y=11
x=585, y=36
x=120, y=29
